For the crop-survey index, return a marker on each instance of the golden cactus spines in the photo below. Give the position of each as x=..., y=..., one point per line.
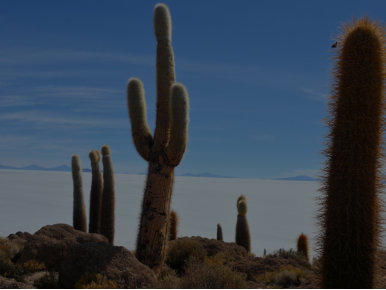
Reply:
x=165, y=150
x=79, y=218
x=350, y=209
x=95, y=192
x=107, y=227
x=302, y=245
x=243, y=237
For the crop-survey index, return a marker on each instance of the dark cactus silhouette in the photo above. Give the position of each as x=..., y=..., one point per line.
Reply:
x=302, y=245
x=219, y=233
x=165, y=150
x=350, y=209
x=173, y=225
x=108, y=196
x=243, y=237
x=96, y=192
x=79, y=218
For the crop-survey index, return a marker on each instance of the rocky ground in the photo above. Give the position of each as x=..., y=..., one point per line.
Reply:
x=57, y=256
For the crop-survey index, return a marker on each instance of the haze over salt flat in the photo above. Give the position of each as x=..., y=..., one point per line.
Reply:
x=278, y=211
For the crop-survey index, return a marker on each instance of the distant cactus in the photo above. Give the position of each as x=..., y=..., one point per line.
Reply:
x=79, y=218
x=219, y=233
x=108, y=196
x=350, y=217
x=243, y=237
x=165, y=150
x=96, y=192
x=173, y=225
x=302, y=245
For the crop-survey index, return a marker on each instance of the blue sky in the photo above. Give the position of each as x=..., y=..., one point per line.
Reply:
x=258, y=75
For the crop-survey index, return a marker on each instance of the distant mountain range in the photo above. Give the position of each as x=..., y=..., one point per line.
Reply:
x=299, y=178
x=65, y=168
x=62, y=168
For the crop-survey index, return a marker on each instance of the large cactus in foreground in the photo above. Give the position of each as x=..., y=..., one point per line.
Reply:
x=96, y=192
x=350, y=217
x=165, y=149
x=79, y=218
x=243, y=237
x=108, y=196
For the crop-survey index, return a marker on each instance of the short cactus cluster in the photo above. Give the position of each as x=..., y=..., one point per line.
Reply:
x=102, y=195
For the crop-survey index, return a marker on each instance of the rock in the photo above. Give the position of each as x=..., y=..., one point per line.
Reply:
x=6, y=283
x=115, y=263
x=50, y=245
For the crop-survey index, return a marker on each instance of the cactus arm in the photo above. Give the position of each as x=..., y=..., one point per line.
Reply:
x=165, y=75
x=140, y=130
x=179, y=124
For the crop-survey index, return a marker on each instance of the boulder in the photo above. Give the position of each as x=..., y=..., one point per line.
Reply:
x=51, y=244
x=113, y=263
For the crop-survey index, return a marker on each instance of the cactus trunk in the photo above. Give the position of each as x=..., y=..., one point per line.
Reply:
x=95, y=193
x=351, y=206
x=219, y=233
x=155, y=214
x=79, y=218
x=108, y=196
x=243, y=237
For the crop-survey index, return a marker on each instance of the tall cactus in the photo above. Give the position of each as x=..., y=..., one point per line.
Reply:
x=79, y=218
x=164, y=151
x=243, y=237
x=108, y=196
x=96, y=192
x=350, y=217
x=302, y=245
x=173, y=225
x=219, y=233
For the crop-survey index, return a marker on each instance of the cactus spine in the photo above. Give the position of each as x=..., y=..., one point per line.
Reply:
x=96, y=192
x=164, y=151
x=79, y=218
x=173, y=225
x=108, y=196
x=350, y=217
x=219, y=233
x=242, y=228
x=302, y=245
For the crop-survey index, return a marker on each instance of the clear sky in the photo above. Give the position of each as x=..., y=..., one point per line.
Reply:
x=258, y=75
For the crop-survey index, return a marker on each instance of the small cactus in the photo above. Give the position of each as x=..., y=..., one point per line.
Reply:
x=96, y=192
x=219, y=233
x=243, y=237
x=350, y=208
x=173, y=225
x=79, y=218
x=108, y=196
x=302, y=245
